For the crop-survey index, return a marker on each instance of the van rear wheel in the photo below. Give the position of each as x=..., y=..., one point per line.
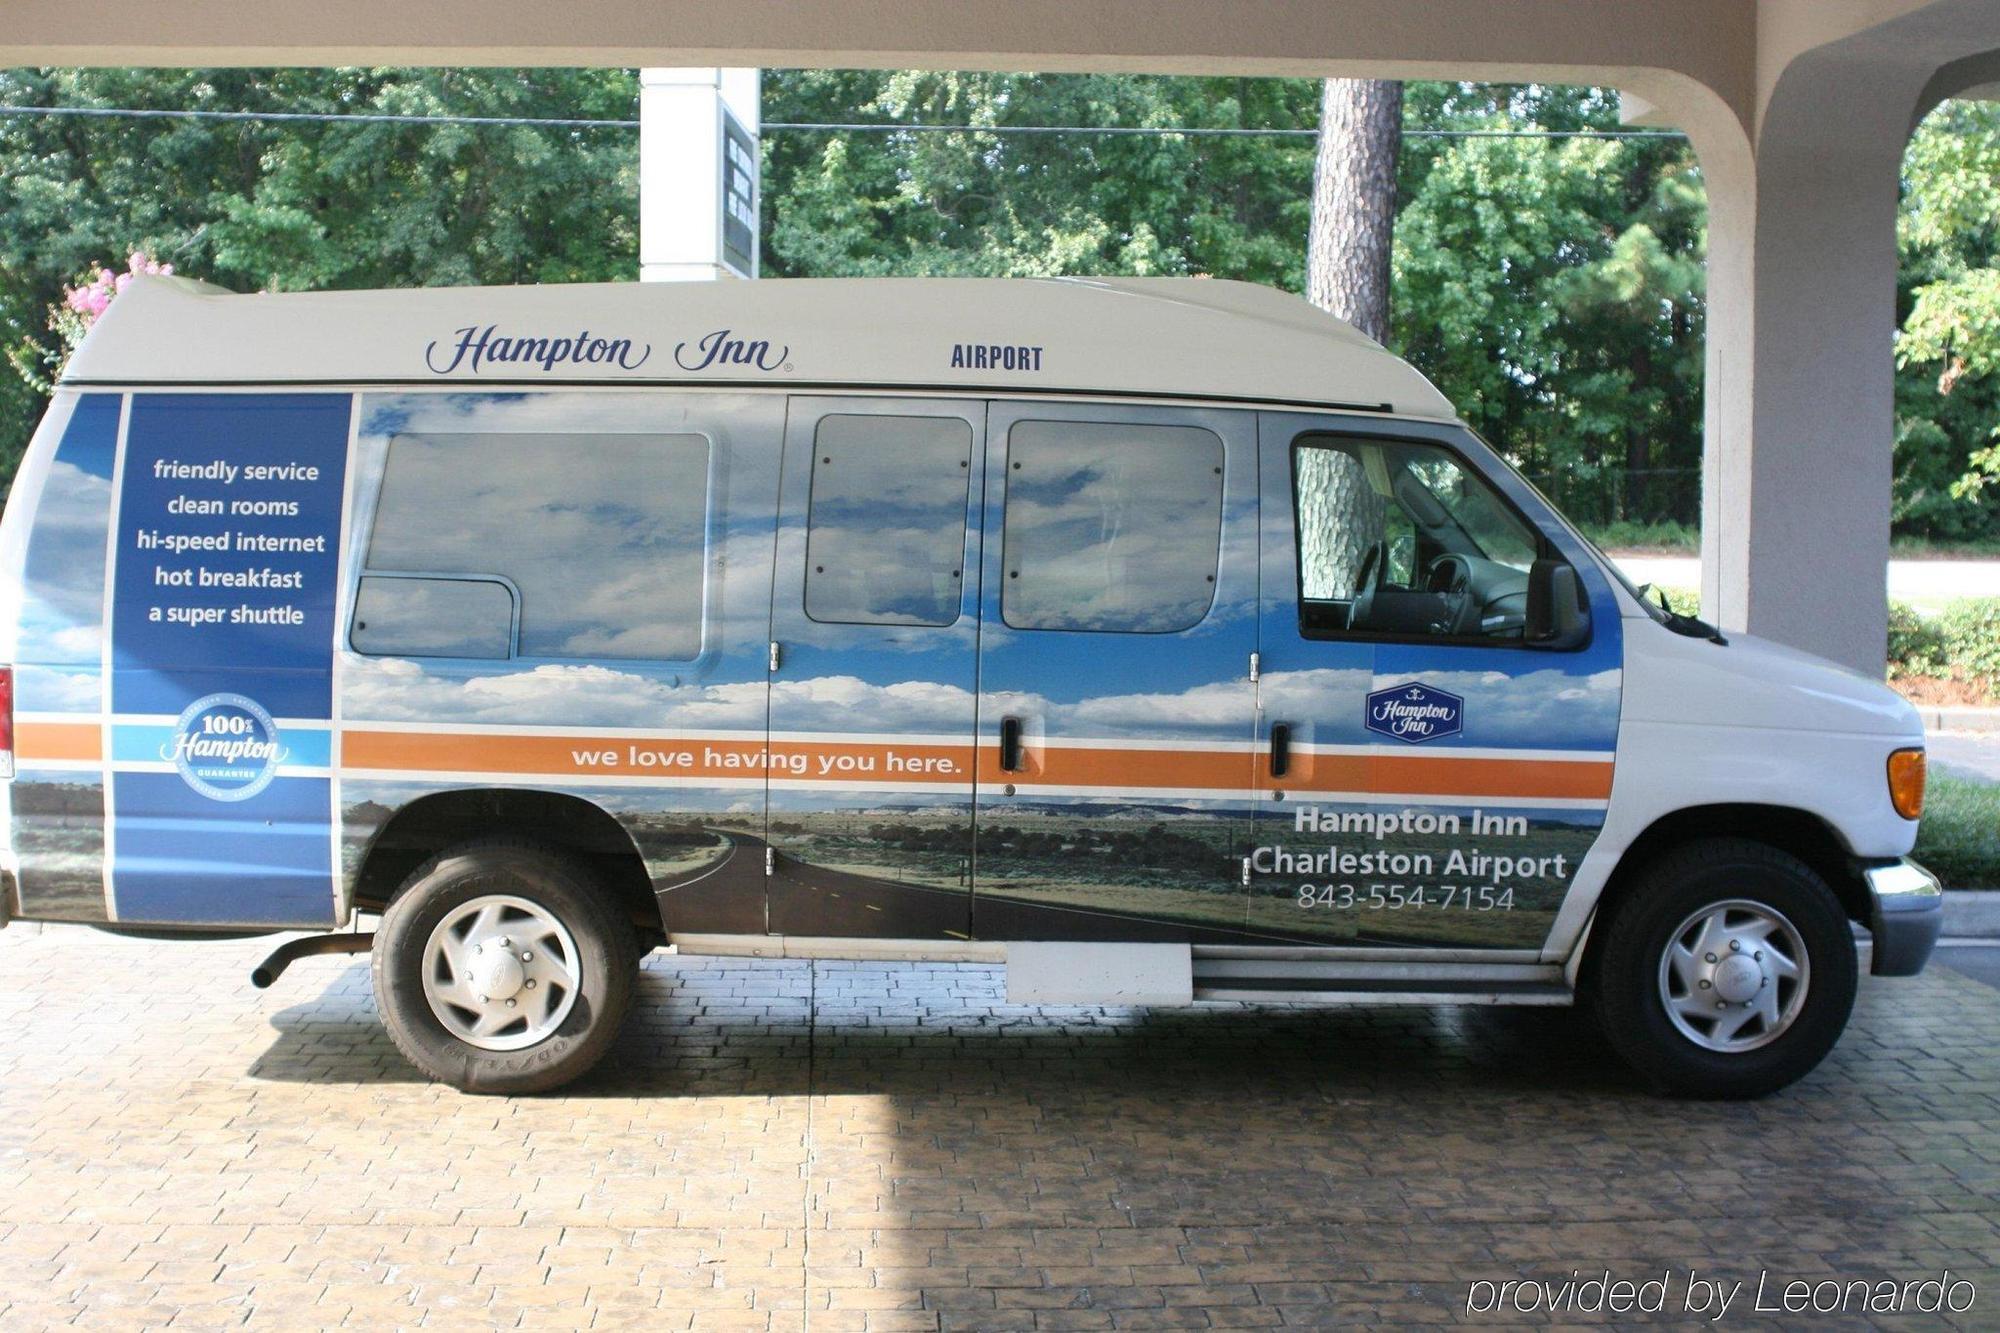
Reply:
x=1727, y=970
x=501, y=967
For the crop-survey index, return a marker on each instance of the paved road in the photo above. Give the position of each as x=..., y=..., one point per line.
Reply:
x=1981, y=962
x=1965, y=754
x=1909, y=580
x=838, y=1146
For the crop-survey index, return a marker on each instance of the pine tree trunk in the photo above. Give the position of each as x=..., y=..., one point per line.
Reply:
x=1354, y=202
x=1347, y=274
x=1639, y=443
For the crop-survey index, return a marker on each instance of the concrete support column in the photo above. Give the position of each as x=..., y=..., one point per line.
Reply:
x=1797, y=471
x=1802, y=284
x=698, y=170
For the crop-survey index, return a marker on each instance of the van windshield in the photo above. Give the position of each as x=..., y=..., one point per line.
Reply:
x=1488, y=529
x=1611, y=568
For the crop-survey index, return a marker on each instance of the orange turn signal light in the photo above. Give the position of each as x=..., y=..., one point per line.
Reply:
x=1906, y=782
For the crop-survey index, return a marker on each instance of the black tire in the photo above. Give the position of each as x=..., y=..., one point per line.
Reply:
x=1624, y=975
x=607, y=965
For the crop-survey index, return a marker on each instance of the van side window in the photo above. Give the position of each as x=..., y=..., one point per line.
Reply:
x=1111, y=527
x=1399, y=539
x=424, y=617
x=601, y=537
x=885, y=529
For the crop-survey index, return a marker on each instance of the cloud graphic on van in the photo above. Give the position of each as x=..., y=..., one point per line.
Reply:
x=62, y=602
x=398, y=690
x=1539, y=708
x=392, y=689
x=848, y=703
x=1222, y=704
x=388, y=414
x=54, y=690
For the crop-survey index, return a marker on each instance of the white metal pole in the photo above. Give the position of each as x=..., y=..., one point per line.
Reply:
x=698, y=173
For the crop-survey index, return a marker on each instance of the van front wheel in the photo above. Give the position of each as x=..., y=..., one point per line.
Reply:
x=1726, y=970
x=500, y=967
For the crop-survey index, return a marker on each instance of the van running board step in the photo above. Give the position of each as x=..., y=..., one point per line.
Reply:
x=1276, y=990
x=1290, y=978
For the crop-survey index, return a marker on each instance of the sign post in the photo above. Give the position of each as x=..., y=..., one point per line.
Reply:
x=698, y=174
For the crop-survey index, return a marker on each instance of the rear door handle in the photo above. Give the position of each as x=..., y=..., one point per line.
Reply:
x=1281, y=749
x=1010, y=745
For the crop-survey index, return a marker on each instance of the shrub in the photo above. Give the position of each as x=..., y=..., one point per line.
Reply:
x=1916, y=648
x=1962, y=641
x=1970, y=629
x=1681, y=601
x=1633, y=535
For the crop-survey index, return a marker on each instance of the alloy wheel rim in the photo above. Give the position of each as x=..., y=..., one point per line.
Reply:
x=1734, y=976
x=500, y=973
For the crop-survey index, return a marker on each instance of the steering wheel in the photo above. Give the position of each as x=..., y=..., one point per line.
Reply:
x=1450, y=577
x=1367, y=583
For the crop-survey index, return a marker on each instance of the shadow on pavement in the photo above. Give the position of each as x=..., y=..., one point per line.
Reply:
x=713, y=1027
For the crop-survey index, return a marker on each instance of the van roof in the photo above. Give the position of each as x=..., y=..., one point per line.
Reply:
x=1179, y=337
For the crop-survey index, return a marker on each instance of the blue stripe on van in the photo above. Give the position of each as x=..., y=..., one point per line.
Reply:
x=226, y=559
x=183, y=858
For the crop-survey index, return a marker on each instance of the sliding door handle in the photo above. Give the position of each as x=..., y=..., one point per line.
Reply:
x=1010, y=745
x=1281, y=749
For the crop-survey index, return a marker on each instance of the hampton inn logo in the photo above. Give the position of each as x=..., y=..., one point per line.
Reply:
x=724, y=348
x=1415, y=713
x=474, y=348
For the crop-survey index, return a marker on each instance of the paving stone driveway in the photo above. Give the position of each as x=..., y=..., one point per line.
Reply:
x=845, y=1146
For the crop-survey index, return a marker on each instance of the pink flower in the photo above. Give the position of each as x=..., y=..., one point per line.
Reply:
x=93, y=297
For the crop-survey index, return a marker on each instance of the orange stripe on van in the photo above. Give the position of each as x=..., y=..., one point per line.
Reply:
x=1067, y=766
x=1444, y=776
x=873, y=761
x=877, y=761
x=584, y=756
x=58, y=740
x=563, y=755
x=1416, y=775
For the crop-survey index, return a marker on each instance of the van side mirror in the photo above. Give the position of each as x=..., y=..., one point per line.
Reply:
x=1558, y=617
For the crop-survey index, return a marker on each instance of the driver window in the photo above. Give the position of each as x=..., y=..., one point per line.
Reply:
x=1399, y=539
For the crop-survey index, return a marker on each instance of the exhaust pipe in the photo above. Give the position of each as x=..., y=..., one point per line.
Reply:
x=310, y=946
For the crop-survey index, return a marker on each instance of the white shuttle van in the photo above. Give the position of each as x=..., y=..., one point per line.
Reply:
x=1167, y=641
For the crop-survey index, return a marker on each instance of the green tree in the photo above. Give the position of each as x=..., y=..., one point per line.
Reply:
x=275, y=205
x=1553, y=289
x=1947, y=353
x=981, y=202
